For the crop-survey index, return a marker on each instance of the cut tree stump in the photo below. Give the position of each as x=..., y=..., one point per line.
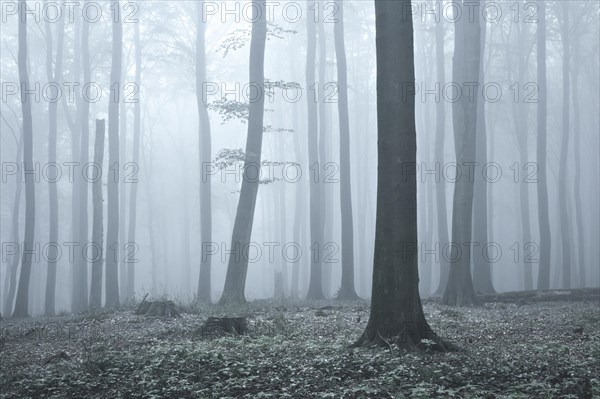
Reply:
x=157, y=308
x=224, y=325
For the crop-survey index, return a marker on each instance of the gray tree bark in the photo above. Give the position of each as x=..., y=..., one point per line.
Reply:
x=459, y=290
x=347, y=290
x=130, y=292
x=235, y=280
x=112, y=227
x=543, y=282
x=204, y=283
x=22, y=301
x=97, y=221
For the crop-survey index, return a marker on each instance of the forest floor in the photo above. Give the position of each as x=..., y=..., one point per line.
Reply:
x=301, y=350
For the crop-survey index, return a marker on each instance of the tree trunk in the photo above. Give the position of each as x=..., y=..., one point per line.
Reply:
x=22, y=301
x=11, y=278
x=440, y=133
x=112, y=229
x=396, y=309
x=204, y=283
x=79, y=294
x=83, y=158
x=122, y=267
x=347, y=290
x=564, y=151
x=136, y=161
x=482, y=273
x=459, y=290
x=235, y=280
x=56, y=78
x=299, y=209
x=315, y=289
x=542, y=186
x=97, y=222
x=578, y=161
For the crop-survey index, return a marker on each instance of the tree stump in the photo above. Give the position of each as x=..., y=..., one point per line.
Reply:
x=224, y=325
x=157, y=308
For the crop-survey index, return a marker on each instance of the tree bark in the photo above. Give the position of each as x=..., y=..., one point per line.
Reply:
x=347, y=290
x=564, y=151
x=56, y=78
x=235, y=280
x=396, y=309
x=543, y=282
x=22, y=301
x=315, y=289
x=97, y=221
x=112, y=229
x=204, y=283
x=136, y=161
x=440, y=133
x=459, y=290
x=11, y=278
x=578, y=161
x=482, y=273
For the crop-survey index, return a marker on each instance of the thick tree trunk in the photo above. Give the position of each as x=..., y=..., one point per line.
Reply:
x=136, y=160
x=347, y=290
x=22, y=301
x=204, y=283
x=542, y=186
x=564, y=151
x=396, y=309
x=112, y=229
x=315, y=289
x=440, y=133
x=482, y=273
x=459, y=290
x=235, y=280
x=97, y=222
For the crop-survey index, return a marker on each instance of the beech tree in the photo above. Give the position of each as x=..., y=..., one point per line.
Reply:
x=235, y=280
x=22, y=301
x=396, y=309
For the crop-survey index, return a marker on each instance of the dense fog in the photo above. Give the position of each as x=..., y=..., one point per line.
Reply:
x=180, y=89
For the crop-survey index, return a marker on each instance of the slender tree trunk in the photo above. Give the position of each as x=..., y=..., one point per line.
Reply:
x=396, y=311
x=235, y=280
x=347, y=290
x=83, y=186
x=56, y=78
x=542, y=186
x=204, y=283
x=459, y=290
x=97, y=222
x=79, y=294
x=482, y=273
x=564, y=150
x=440, y=133
x=578, y=161
x=325, y=202
x=122, y=266
x=112, y=229
x=22, y=301
x=131, y=243
x=315, y=289
x=11, y=278
x=299, y=209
